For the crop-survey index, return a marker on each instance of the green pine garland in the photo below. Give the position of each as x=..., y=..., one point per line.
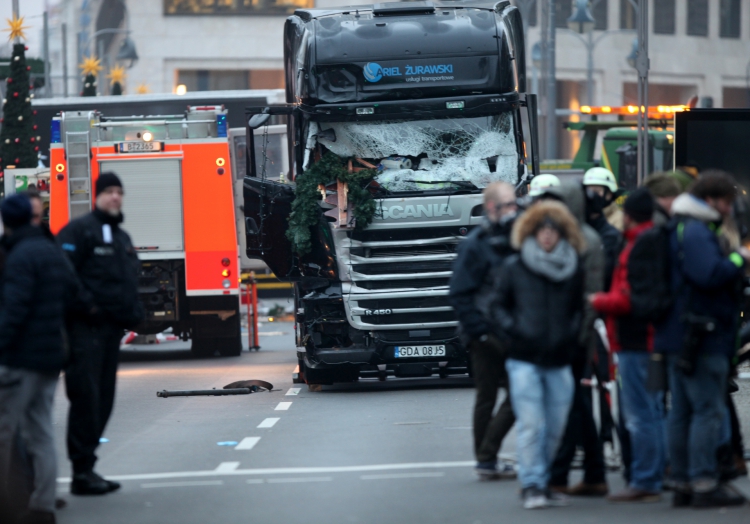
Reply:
x=305, y=209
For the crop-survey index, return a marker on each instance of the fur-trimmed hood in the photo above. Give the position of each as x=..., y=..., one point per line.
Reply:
x=528, y=222
x=693, y=207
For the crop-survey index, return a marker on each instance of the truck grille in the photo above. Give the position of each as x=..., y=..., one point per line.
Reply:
x=399, y=279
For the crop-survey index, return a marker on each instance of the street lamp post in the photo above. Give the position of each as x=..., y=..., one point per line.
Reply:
x=127, y=49
x=582, y=23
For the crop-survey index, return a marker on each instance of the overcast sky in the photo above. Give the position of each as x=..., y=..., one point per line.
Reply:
x=32, y=10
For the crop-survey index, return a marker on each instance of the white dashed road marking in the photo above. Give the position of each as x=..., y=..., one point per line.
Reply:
x=402, y=476
x=227, y=467
x=247, y=443
x=293, y=391
x=269, y=422
x=183, y=484
x=283, y=406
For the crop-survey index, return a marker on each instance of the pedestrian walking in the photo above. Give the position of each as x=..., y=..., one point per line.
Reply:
x=107, y=266
x=581, y=429
x=632, y=339
x=538, y=308
x=698, y=336
x=480, y=256
x=34, y=289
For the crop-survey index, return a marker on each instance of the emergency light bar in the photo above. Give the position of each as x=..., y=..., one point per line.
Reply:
x=653, y=111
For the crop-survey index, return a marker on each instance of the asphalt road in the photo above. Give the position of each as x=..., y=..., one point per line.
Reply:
x=395, y=452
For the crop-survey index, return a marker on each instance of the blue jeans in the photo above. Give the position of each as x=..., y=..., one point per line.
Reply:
x=541, y=398
x=695, y=420
x=644, y=419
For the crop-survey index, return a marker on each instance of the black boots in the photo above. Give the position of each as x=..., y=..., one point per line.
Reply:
x=90, y=483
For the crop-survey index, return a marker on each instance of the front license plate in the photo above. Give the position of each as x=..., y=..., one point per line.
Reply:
x=419, y=351
x=141, y=147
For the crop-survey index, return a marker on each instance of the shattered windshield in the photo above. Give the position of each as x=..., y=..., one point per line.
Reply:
x=426, y=154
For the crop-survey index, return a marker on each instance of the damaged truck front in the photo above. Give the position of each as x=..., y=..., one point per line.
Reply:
x=398, y=115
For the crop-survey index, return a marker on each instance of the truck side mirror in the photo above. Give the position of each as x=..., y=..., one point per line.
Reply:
x=258, y=120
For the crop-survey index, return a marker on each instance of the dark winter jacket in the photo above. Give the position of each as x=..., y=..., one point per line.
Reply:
x=37, y=286
x=624, y=331
x=592, y=259
x=705, y=280
x=108, y=270
x=539, y=317
x=480, y=256
x=612, y=242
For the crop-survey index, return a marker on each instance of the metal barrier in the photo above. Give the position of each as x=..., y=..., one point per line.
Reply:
x=251, y=293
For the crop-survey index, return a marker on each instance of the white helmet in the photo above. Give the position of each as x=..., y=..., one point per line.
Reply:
x=600, y=176
x=541, y=182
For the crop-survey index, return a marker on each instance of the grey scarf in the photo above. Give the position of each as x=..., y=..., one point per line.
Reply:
x=557, y=265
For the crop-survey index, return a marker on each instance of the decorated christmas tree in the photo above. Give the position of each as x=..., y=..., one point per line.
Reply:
x=116, y=78
x=90, y=68
x=18, y=143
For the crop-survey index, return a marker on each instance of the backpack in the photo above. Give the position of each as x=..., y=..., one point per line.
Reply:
x=649, y=274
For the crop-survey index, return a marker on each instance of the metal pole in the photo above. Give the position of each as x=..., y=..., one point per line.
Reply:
x=551, y=82
x=65, y=59
x=642, y=66
x=590, y=70
x=543, y=70
x=100, y=76
x=79, y=59
x=47, y=80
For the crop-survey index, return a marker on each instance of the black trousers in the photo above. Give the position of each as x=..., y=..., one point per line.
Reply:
x=90, y=383
x=490, y=428
x=581, y=430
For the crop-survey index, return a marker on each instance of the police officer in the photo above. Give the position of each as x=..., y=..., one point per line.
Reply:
x=107, y=265
x=471, y=292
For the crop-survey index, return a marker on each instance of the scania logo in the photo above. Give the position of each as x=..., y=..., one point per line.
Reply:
x=416, y=211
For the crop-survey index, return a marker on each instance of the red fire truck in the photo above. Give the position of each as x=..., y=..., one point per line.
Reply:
x=178, y=208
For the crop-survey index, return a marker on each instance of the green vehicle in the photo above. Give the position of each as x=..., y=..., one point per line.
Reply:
x=618, y=150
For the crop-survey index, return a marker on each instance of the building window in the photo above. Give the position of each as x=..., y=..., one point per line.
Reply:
x=221, y=80
x=664, y=17
x=233, y=7
x=729, y=24
x=697, y=18
x=533, y=8
x=564, y=11
x=628, y=16
x=599, y=12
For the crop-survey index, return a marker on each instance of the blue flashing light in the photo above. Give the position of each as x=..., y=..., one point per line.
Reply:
x=221, y=125
x=55, y=132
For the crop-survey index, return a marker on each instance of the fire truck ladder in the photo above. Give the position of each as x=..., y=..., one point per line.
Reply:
x=78, y=149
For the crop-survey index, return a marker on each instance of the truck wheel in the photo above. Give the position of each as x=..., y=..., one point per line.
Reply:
x=203, y=347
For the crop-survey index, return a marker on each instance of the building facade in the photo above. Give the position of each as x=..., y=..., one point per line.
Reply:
x=697, y=47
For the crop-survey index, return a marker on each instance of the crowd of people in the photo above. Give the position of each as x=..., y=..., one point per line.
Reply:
x=565, y=290
x=64, y=303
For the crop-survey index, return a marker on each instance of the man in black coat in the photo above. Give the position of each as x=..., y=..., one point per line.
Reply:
x=107, y=266
x=471, y=291
x=36, y=285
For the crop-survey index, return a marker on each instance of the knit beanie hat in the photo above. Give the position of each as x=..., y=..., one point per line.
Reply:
x=16, y=211
x=639, y=205
x=105, y=181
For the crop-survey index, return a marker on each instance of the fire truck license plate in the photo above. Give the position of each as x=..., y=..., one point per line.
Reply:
x=419, y=351
x=140, y=147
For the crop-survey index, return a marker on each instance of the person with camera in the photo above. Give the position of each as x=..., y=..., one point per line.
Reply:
x=479, y=256
x=698, y=336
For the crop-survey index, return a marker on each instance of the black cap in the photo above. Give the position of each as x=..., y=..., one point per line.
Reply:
x=16, y=211
x=639, y=205
x=107, y=180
